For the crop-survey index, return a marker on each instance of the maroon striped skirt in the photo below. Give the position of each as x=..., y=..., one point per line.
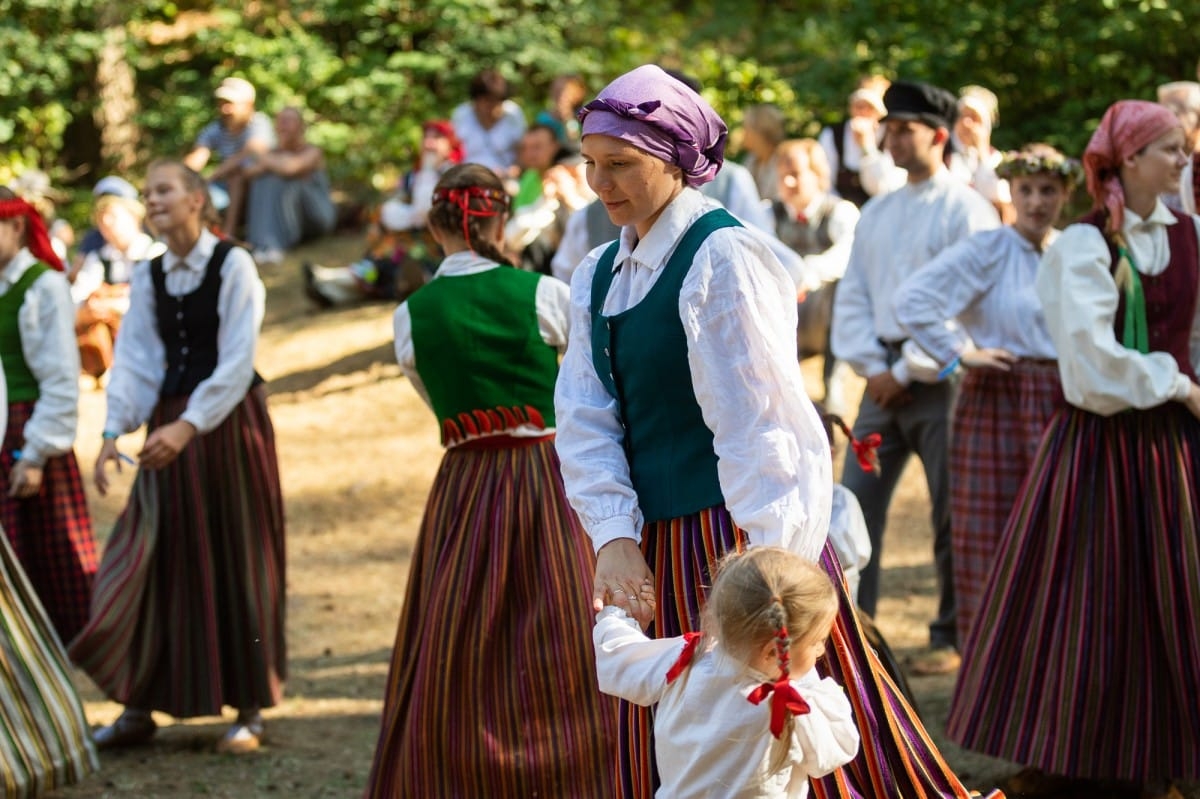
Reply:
x=896, y=757
x=492, y=687
x=998, y=423
x=1085, y=658
x=188, y=612
x=51, y=532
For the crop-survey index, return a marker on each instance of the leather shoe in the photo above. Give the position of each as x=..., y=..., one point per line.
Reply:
x=130, y=729
x=243, y=737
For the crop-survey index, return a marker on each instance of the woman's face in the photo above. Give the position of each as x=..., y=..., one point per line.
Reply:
x=1038, y=200
x=634, y=186
x=170, y=206
x=1157, y=166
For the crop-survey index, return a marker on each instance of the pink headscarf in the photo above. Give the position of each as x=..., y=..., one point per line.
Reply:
x=1126, y=127
x=663, y=116
x=37, y=240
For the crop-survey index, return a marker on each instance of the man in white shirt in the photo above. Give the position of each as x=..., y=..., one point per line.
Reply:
x=899, y=233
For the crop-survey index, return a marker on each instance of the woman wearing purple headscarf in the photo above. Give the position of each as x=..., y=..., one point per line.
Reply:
x=683, y=426
x=1086, y=656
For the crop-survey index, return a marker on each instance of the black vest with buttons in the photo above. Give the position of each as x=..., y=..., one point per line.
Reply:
x=188, y=325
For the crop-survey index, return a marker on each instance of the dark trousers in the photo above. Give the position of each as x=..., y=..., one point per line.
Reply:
x=921, y=427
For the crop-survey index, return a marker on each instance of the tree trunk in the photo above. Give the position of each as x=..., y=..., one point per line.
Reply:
x=117, y=107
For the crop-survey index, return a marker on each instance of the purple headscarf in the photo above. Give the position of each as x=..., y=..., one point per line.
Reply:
x=659, y=114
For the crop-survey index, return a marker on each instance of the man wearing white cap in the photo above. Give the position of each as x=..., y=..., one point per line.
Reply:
x=239, y=135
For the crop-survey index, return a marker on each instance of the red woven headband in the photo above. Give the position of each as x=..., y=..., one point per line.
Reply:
x=494, y=203
x=37, y=240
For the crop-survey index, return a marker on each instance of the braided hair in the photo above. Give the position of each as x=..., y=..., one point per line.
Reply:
x=470, y=201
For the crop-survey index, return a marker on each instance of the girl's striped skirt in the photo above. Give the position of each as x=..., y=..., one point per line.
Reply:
x=51, y=532
x=188, y=612
x=1085, y=658
x=896, y=758
x=492, y=688
x=997, y=425
x=44, y=737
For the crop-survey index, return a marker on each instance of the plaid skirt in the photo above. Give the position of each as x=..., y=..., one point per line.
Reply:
x=51, y=532
x=492, y=687
x=188, y=612
x=997, y=425
x=896, y=756
x=44, y=738
x=1085, y=658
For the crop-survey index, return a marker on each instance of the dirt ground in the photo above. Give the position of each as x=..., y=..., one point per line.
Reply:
x=357, y=452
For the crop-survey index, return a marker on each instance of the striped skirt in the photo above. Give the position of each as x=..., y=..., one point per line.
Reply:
x=1086, y=655
x=896, y=758
x=51, y=533
x=44, y=738
x=188, y=612
x=997, y=425
x=492, y=688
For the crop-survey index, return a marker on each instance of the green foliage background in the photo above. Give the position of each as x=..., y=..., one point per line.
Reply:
x=369, y=71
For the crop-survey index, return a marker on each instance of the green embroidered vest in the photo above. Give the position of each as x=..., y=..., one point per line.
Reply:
x=22, y=385
x=480, y=354
x=640, y=356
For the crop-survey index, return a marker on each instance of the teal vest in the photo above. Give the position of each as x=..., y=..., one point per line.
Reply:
x=22, y=385
x=480, y=354
x=641, y=357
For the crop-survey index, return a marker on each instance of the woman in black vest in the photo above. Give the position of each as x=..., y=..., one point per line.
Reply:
x=188, y=610
x=683, y=425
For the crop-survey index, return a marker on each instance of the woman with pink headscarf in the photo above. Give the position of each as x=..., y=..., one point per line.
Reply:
x=1087, y=659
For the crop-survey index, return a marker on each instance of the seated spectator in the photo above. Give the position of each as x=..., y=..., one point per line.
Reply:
x=762, y=131
x=289, y=194
x=567, y=94
x=972, y=158
x=100, y=289
x=239, y=133
x=489, y=124
x=535, y=229
x=92, y=239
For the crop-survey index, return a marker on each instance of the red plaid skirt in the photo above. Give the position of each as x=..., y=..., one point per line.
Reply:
x=51, y=532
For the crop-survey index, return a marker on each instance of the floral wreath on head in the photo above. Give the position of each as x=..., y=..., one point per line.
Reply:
x=1022, y=163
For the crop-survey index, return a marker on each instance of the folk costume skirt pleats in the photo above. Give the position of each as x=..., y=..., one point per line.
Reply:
x=997, y=426
x=44, y=738
x=1085, y=658
x=492, y=688
x=896, y=757
x=50, y=532
x=188, y=612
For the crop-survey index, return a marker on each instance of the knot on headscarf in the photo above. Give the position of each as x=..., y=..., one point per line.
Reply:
x=1126, y=127
x=37, y=239
x=662, y=116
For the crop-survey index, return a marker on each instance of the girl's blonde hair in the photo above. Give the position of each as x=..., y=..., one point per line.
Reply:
x=764, y=595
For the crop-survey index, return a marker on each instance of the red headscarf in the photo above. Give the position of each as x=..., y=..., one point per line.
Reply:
x=1127, y=126
x=446, y=131
x=37, y=240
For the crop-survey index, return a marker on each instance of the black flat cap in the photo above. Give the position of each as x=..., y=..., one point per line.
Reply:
x=921, y=102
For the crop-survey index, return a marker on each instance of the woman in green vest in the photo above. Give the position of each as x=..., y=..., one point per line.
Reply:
x=492, y=689
x=684, y=428
x=43, y=506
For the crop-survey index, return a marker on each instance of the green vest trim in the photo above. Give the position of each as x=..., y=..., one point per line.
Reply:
x=22, y=385
x=640, y=356
x=480, y=354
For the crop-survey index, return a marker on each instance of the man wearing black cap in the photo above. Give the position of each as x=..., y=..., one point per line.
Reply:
x=898, y=233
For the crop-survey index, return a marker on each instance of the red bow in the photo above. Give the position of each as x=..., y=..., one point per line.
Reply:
x=690, y=642
x=786, y=700
x=864, y=450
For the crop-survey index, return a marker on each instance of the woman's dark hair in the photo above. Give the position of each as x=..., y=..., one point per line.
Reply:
x=488, y=83
x=192, y=181
x=469, y=201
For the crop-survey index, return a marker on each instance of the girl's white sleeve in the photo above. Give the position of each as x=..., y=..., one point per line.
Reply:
x=628, y=664
x=826, y=738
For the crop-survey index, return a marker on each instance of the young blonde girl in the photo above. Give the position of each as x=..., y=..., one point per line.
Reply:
x=741, y=709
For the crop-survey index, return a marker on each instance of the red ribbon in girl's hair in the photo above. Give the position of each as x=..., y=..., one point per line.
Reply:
x=462, y=197
x=37, y=240
x=784, y=699
x=864, y=448
x=690, y=642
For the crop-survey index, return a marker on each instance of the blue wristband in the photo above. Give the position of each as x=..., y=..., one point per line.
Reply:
x=949, y=368
x=108, y=435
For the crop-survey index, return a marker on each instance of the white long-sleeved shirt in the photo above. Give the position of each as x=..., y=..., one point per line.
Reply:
x=551, y=302
x=710, y=741
x=986, y=282
x=46, y=321
x=898, y=234
x=738, y=310
x=1079, y=297
x=91, y=274
x=139, y=362
x=830, y=264
x=494, y=147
